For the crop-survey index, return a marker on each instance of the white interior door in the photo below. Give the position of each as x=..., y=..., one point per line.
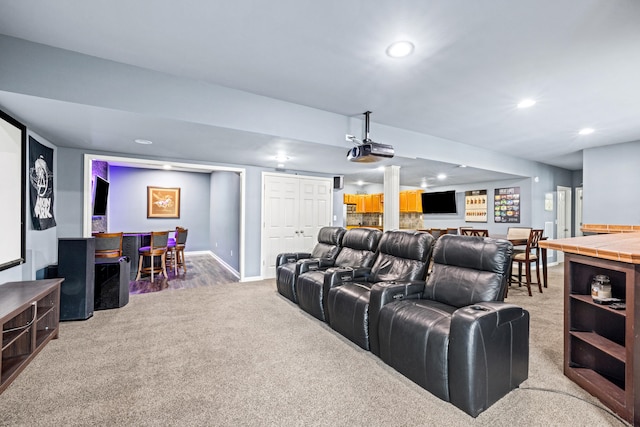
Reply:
x=563, y=221
x=294, y=210
x=315, y=210
x=281, y=212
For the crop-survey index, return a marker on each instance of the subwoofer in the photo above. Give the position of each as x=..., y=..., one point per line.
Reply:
x=76, y=264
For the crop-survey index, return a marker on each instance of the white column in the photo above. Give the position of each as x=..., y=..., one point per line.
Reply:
x=391, y=197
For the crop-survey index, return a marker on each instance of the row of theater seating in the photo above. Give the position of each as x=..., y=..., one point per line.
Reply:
x=448, y=330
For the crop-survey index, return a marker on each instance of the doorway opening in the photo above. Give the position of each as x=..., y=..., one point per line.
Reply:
x=155, y=164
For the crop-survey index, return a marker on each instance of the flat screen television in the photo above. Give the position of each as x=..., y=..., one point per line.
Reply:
x=439, y=202
x=100, y=196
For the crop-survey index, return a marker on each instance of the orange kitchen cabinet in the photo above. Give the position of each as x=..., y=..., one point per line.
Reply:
x=377, y=203
x=360, y=203
x=414, y=201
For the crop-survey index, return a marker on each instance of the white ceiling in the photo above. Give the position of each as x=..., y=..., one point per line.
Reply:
x=473, y=61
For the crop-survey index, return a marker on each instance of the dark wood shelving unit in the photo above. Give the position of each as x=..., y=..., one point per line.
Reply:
x=29, y=319
x=600, y=349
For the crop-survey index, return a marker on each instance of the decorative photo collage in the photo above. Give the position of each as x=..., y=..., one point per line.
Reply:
x=507, y=205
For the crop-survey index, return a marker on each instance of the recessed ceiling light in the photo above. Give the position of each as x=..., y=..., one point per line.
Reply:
x=281, y=157
x=586, y=131
x=143, y=141
x=167, y=167
x=462, y=166
x=380, y=168
x=360, y=182
x=280, y=165
x=442, y=176
x=423, y=185
x=526, y=103
x=400, y=49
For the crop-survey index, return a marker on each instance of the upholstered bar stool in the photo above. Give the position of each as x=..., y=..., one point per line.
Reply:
x=157, y=248
x=108, y=245
x=175, y=250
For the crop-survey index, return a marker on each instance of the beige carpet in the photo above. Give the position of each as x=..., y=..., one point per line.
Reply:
x=240, y=354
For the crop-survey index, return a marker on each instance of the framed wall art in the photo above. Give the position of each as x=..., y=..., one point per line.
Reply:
x=507, y=205
x=163, y=202
x=475, y=206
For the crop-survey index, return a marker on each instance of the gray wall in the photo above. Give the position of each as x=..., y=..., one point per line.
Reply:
x=41, y=246
x=127, y=206
x=225, y=217
x=611, y=177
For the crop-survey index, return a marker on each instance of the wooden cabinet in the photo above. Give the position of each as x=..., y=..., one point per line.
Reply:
x=599, y=341
x=377, y=204
x=411, y=201
x=360, y=200
x=29, y=316
x=365, y=203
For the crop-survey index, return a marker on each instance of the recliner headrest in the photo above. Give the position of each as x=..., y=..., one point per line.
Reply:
x=478, y=253
x=363, y=239
x=408, y=244
x=331, y=235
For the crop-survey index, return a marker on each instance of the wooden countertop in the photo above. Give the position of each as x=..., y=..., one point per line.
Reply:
x=609, y=228
x=624, y=247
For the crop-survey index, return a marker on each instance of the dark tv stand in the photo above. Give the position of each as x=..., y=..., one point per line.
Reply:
x=29, y=317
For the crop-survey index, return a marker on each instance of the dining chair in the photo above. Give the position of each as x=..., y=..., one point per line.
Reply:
x=516, y=235
x=157, y=248
x=528, y=257
x=478, y=232
x=108, y=245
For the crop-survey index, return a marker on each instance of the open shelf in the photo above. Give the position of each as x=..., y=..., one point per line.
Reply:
x=600, y=341
x=29, y=318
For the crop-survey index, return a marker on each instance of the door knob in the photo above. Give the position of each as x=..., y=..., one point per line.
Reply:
x=301, y=231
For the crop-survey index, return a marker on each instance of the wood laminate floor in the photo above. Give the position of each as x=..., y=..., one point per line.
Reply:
x=202, y=270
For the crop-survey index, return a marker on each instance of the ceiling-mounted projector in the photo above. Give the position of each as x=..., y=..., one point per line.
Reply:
x=368, y=151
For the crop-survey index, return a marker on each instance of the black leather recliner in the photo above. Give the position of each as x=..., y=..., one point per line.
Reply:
x=312, y=287
x=455, y=337
x=288, y=268
x=402, y=258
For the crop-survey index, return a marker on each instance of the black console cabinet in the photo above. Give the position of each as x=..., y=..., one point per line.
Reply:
x=112, y=283
x=76, y=264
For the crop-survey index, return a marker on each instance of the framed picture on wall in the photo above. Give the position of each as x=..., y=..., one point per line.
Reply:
x=475, y=206
x=163, y=202
x=507, y=205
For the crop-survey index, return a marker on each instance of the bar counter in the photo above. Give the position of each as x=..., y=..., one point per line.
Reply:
x=623, y=247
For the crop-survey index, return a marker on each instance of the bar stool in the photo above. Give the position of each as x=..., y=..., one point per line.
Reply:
x=108, y=245
x=175, y=253
x=528, y=257
x=156, y=248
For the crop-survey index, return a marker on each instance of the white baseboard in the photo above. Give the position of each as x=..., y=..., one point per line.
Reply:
x=252, y=279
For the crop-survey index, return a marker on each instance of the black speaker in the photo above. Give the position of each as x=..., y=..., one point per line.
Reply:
x=112, y=283
x=76, y=264
x=338, y=182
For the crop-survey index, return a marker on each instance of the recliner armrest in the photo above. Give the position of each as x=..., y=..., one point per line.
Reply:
x=335, y=276
x=383, y=293
x=287, y=257
x=311, y=264
x=488, y=354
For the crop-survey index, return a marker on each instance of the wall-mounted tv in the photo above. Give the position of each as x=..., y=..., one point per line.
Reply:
x=13, y=137
x=100, y=196
x=439, y=202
